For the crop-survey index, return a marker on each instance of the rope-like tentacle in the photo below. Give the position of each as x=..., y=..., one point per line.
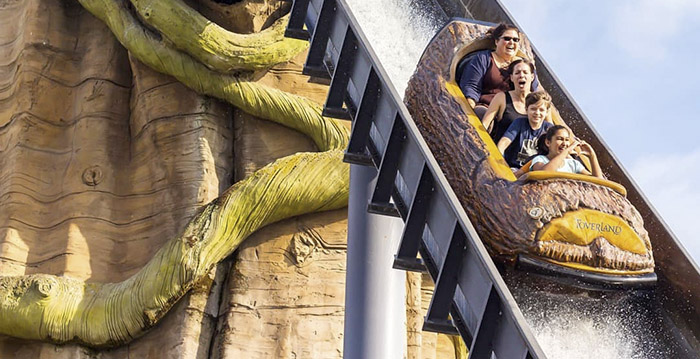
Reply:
x=290, y=110
x=61, y=309
x=213, y=45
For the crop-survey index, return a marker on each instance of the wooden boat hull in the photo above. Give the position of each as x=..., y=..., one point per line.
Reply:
x=573, y=222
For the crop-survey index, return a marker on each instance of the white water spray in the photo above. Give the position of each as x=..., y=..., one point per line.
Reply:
x=398, y=33
x=578, y=324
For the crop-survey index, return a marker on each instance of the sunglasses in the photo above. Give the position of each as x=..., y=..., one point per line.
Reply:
x=508, y=38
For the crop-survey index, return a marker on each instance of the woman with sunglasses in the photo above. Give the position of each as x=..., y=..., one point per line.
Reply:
x=486, y=72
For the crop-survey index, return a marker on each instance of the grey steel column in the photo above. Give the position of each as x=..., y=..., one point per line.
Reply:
x=375, y=313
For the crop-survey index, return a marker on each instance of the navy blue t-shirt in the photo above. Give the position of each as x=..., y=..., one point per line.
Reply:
x=524, y=143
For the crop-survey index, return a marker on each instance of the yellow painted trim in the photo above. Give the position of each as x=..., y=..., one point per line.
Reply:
x=495, y=159
x=582, y=226
x=546, y=175
x=588, y=268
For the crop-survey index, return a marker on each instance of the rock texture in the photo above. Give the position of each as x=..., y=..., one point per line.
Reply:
x=105, y=159
x=284, y=296
x=420, y=344
x=89, y=153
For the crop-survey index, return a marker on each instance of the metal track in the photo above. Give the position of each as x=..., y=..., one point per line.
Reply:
x=470, y=297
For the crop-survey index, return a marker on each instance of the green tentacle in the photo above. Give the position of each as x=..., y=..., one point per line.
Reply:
x=213, y=45
x=271, y=104
x=60, y=309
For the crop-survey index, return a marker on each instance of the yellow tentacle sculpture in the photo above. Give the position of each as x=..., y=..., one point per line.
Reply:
x=213, y=45
x=61, y=309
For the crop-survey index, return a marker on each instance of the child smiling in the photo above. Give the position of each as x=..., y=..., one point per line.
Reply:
x=519, y=142
x=559, y=146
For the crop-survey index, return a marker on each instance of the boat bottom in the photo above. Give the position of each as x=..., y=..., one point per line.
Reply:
x=584, y=279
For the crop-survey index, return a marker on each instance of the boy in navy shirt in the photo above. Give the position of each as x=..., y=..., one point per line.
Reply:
x=519, y=142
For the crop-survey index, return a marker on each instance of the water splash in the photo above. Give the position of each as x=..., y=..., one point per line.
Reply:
x=578, y=324
x=398, y=31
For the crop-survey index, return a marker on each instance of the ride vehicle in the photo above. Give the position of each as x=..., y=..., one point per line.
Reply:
x=562, y=224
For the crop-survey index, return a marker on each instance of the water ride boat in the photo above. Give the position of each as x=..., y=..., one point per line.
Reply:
x=567, y=225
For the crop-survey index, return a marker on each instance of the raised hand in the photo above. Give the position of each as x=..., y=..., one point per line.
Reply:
x=587, y=149
x=572, y=147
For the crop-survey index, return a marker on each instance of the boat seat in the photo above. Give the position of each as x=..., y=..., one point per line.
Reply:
x=461, y=65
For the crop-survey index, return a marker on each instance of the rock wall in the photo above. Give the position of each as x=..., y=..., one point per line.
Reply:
x=284, y=295
x=103, y=160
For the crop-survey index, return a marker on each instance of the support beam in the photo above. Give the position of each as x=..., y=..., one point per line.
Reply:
x=374, y=292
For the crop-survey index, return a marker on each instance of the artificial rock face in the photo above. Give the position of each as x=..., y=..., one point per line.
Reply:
x=284, y=295
x=106, y=159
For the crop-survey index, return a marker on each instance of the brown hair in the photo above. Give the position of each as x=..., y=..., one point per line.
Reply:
x=535, y=97
x=515, y=62
x=547, y=136
x=511, y=68
x=496, y=32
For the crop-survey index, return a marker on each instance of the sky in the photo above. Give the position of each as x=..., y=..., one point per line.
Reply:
x=629, y=65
